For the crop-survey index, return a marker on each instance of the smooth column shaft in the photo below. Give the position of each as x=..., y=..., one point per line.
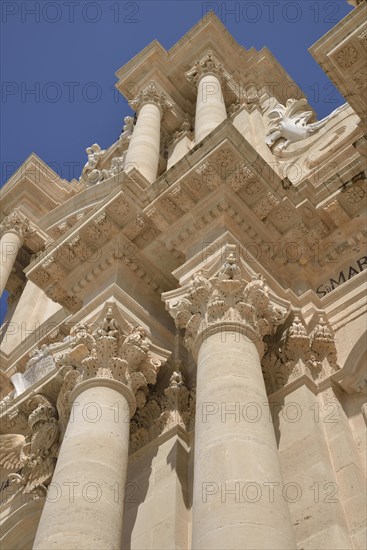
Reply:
x=85, y=501
x=144, y=147
x=210, y=106
x=10, y=243
x=238, y=501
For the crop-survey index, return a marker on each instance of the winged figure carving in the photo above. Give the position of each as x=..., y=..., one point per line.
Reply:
x=29, y=461
x=290, y=122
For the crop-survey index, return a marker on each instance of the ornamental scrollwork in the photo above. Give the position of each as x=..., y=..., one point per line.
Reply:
x=17, y=223
x=224, y=298
x=208, y=65
x=290, y=123
x=114, y=353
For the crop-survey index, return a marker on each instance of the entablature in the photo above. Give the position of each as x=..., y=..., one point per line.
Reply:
x=247, y=68
x=341, y=53
x=223, y=183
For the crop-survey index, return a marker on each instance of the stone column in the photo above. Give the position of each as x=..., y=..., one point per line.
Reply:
x=13, y=231
x=85, y=503
x=237, y=501
x=207, y=75
x=144, y=147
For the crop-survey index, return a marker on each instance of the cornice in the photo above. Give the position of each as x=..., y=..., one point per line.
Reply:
x=56, y=328
x=341, y=53
x=209, y=33
x=223, y=181
x=38, y=187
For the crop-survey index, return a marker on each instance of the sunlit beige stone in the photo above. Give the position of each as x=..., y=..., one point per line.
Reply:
x=183, y=357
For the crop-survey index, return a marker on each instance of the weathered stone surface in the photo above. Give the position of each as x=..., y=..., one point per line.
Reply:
x=226, y=199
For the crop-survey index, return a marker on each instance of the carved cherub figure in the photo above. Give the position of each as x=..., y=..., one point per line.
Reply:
x=199, y=279
x=127, y=128
x=186, y=125
x=230, y=269
x=82, y=336
x=117, y=164
x=176, y=379
x=109, y=326
x=95, y=154
x=36, y=354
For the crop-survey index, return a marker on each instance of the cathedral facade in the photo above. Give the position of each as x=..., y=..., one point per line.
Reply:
x=183, y=357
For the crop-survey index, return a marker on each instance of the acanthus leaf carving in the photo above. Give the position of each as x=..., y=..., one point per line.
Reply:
x=239, y=177
x=133, y=228
x=265, y=206
x=226, y=297
x=300, y=352
x=182, y=200
x=156, y=217
x=175, y=406
x=18, y=223
x=151, y=94
x=208, y=65
x=113, y=353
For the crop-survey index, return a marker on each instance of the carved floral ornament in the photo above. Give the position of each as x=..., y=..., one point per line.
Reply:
x=113, y=353
x=208, y=65
x=347, y=56
x=300, y=352
x=173, y=407
x=226, y=300
x=151, y=94
x=17, y=223
x=109, y=353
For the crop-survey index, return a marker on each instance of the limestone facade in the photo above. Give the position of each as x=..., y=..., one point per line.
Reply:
x=183, y=358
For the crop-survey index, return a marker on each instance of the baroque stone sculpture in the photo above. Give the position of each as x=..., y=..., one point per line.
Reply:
x=92, y=172
x=226, y=298
x=290, y=122
x=114, y=353
x=32, y=458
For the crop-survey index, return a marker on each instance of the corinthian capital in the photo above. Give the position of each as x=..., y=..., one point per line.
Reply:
x=17, y=223
x=226, y=300
x=208, y=65
x=114, y=354
x=151, y=94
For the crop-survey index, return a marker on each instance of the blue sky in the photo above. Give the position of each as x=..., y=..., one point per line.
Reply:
x=59, y=57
